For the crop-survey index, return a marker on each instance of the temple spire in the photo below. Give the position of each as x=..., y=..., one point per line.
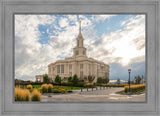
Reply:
x=79, y=27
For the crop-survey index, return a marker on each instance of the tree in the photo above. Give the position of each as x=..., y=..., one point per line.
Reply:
x=138, y=79
x=69, y=79
x=131, y=82
x=17, y=82
x=99, y=80
x=90, y=78
x=46, y=78
x=75, y=79
x=106, y=80
x=58, y=79
x=118, y=81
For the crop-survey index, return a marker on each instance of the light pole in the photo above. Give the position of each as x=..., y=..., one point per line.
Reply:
x=129, y=71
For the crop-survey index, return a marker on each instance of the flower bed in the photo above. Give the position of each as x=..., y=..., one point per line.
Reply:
x=49, y=88
x=59, y=90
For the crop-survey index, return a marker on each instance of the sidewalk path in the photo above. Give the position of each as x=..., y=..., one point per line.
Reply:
x=103, y=95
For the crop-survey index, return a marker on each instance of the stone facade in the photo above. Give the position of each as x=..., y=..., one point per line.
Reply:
x=39, y=78
x=78, y=64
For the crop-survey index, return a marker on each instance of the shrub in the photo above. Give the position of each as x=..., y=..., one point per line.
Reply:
x=104, y=85
x=64, y=84
x=29, y=86
x=39, y=89
x=69, y=84
x=62, y=91
x=22, y=94
x=55, y=90
x=75, y=80
x=50, y=87
x=81, y=84
x=102, y=80
x=89, y=85
x=36, y=95
x=116, y=85
x=44, y=88
x=69, y=79
x=135, y=88
x=59, y=90
x=58, y=79
x=46, y=78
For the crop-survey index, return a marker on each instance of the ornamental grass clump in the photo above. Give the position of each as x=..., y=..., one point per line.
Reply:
x=29, y=86
x=36, y=95
x=21, y=94
x=116, y=85
x=44, y=88
x=104, y=85
x=89, y=85
x=50, y=87
x=135, y=88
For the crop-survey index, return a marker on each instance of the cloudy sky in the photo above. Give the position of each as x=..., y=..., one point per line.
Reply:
x=118, y=40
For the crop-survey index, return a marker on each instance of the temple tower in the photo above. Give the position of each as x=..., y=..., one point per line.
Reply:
x=79, y=49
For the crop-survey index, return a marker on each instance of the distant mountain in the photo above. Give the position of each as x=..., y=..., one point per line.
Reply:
x=115, y=81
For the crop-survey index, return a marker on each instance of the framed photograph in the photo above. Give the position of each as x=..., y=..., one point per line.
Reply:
x=79, y=57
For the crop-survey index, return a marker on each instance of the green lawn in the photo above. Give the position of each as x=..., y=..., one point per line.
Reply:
x=67, y=87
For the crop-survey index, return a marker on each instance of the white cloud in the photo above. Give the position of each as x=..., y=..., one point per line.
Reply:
x=72, y=18
x=122, y=46
x=99, y=18
x=114, y=81
x=63, y=22
x=33, y=57
x=28, y=51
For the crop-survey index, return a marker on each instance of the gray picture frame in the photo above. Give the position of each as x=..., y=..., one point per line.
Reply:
x=148, y=7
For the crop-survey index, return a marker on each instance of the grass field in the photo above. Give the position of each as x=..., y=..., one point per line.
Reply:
x=67, y=87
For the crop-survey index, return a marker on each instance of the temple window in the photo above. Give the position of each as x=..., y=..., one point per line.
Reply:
x=81, y=74
x=70, y=73
x=78, y=43
x=58, y=68
x=77, y=52
x=83, y=52
x=81, y=66
x=62, y=68
x=70, y=66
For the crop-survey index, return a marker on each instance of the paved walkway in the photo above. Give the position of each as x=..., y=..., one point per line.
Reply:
x=103, y=95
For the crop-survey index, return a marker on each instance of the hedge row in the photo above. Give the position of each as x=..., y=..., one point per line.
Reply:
x=112, y=85
x=135, y=88
x=48, y=88
x=79, y=84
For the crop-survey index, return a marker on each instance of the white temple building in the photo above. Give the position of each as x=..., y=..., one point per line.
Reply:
x=78, y=64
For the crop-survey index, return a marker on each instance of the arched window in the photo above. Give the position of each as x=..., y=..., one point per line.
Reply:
x=78, y=43
x=77, y=52
x=62, y=68
x=83, y=52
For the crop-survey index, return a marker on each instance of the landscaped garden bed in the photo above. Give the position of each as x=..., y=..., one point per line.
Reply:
x=135, y=89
